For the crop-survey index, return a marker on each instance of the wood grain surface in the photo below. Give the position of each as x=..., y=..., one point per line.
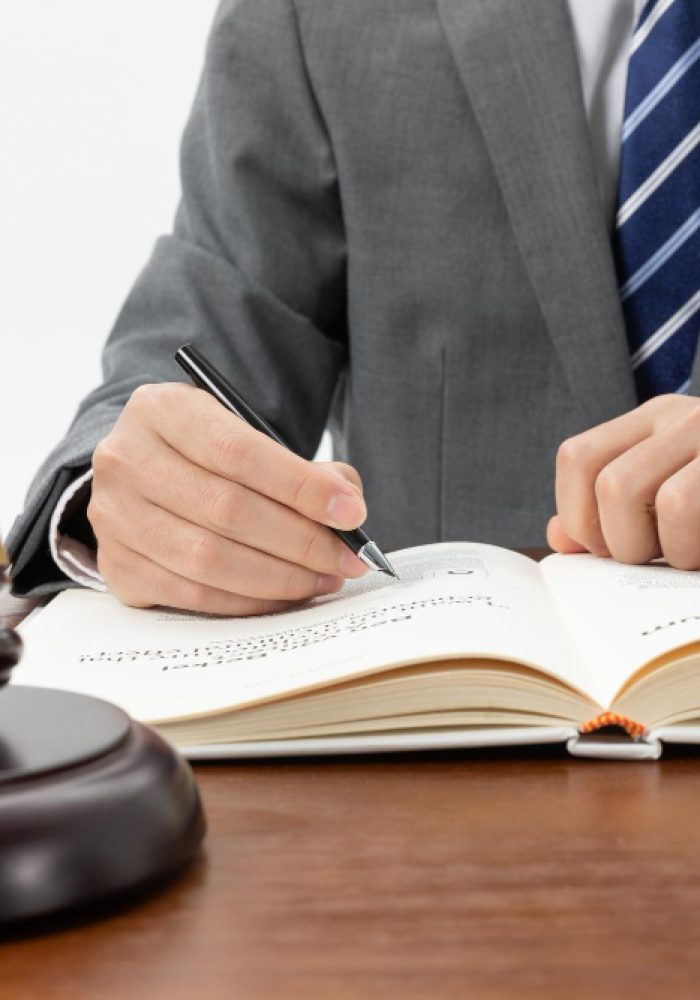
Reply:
x=479, y=875
x=503, y=874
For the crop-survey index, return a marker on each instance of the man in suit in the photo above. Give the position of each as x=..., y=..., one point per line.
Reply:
x=398, y=218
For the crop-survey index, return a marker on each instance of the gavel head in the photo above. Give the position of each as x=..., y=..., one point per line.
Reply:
x=10, y=642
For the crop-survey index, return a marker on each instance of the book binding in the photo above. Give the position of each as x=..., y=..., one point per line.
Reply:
x=636, y=744
x=633, y=729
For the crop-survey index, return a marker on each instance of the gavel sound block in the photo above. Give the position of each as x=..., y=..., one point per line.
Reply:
x=92, y=804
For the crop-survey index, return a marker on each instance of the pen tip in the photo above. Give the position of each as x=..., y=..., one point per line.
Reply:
x=372, y=556
x=389, y=569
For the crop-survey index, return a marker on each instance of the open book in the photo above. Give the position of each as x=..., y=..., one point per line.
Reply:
x=474, y=646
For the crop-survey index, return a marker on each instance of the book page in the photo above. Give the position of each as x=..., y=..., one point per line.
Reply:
x=452, y=600
x=620, y=616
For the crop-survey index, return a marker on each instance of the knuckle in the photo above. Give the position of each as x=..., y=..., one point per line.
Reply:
x=107, y=457
x=672, y=410
x=574, y=453
x=611, y=486
x=674, y=505
x=651, y=405
x=201, y=554
x=151, y=394
x=143, y=398
x=224, y=507
x=661, y=402
x=152, y=397
x=622, y=482
x=231, y=450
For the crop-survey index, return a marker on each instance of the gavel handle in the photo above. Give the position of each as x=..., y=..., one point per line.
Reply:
x=10, y=642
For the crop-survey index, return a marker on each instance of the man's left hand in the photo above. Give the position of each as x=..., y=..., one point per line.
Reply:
x=630, y=488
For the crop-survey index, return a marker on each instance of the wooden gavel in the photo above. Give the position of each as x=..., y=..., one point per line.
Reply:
x=10, y=642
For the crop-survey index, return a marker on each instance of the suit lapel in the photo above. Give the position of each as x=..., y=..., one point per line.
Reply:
x=517, y=61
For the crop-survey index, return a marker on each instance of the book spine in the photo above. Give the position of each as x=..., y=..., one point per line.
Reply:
x=608, y=748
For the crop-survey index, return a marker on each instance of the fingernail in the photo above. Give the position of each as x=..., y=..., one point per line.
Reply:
x=326, y=584
x=350, y=565
x=345, y=511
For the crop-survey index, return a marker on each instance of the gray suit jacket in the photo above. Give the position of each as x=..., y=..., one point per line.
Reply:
x=390, y=223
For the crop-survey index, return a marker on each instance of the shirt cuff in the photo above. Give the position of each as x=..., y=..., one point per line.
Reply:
x=76, y=560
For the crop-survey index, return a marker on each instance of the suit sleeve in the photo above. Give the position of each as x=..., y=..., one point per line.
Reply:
x=254, y=270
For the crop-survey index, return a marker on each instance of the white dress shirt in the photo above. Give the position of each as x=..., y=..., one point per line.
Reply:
x=602, y=35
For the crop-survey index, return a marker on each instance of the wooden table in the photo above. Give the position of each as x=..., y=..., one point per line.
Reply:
x=466, y=875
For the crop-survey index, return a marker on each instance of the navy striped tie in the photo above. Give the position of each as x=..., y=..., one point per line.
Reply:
x=657, y=229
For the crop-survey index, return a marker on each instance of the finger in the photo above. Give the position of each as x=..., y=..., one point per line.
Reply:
x=233, y=511
x=193, y=552
x=348, y=472
x=678, y=517
x=141, y=583
x=204, y=432
x=626, y=492
x=580, y=461
x=558, y=540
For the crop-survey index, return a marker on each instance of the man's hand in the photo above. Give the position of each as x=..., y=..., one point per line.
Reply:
x=630, y=488
x=194, y=509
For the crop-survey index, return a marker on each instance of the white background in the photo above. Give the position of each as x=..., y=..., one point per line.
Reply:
x=93, y=100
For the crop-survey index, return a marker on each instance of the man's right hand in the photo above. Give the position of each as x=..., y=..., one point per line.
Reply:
x=194, y=509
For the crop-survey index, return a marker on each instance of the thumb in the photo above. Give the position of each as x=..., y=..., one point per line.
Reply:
x=558, y=539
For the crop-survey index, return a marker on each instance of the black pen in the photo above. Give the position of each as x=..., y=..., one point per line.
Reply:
x=205, y=376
